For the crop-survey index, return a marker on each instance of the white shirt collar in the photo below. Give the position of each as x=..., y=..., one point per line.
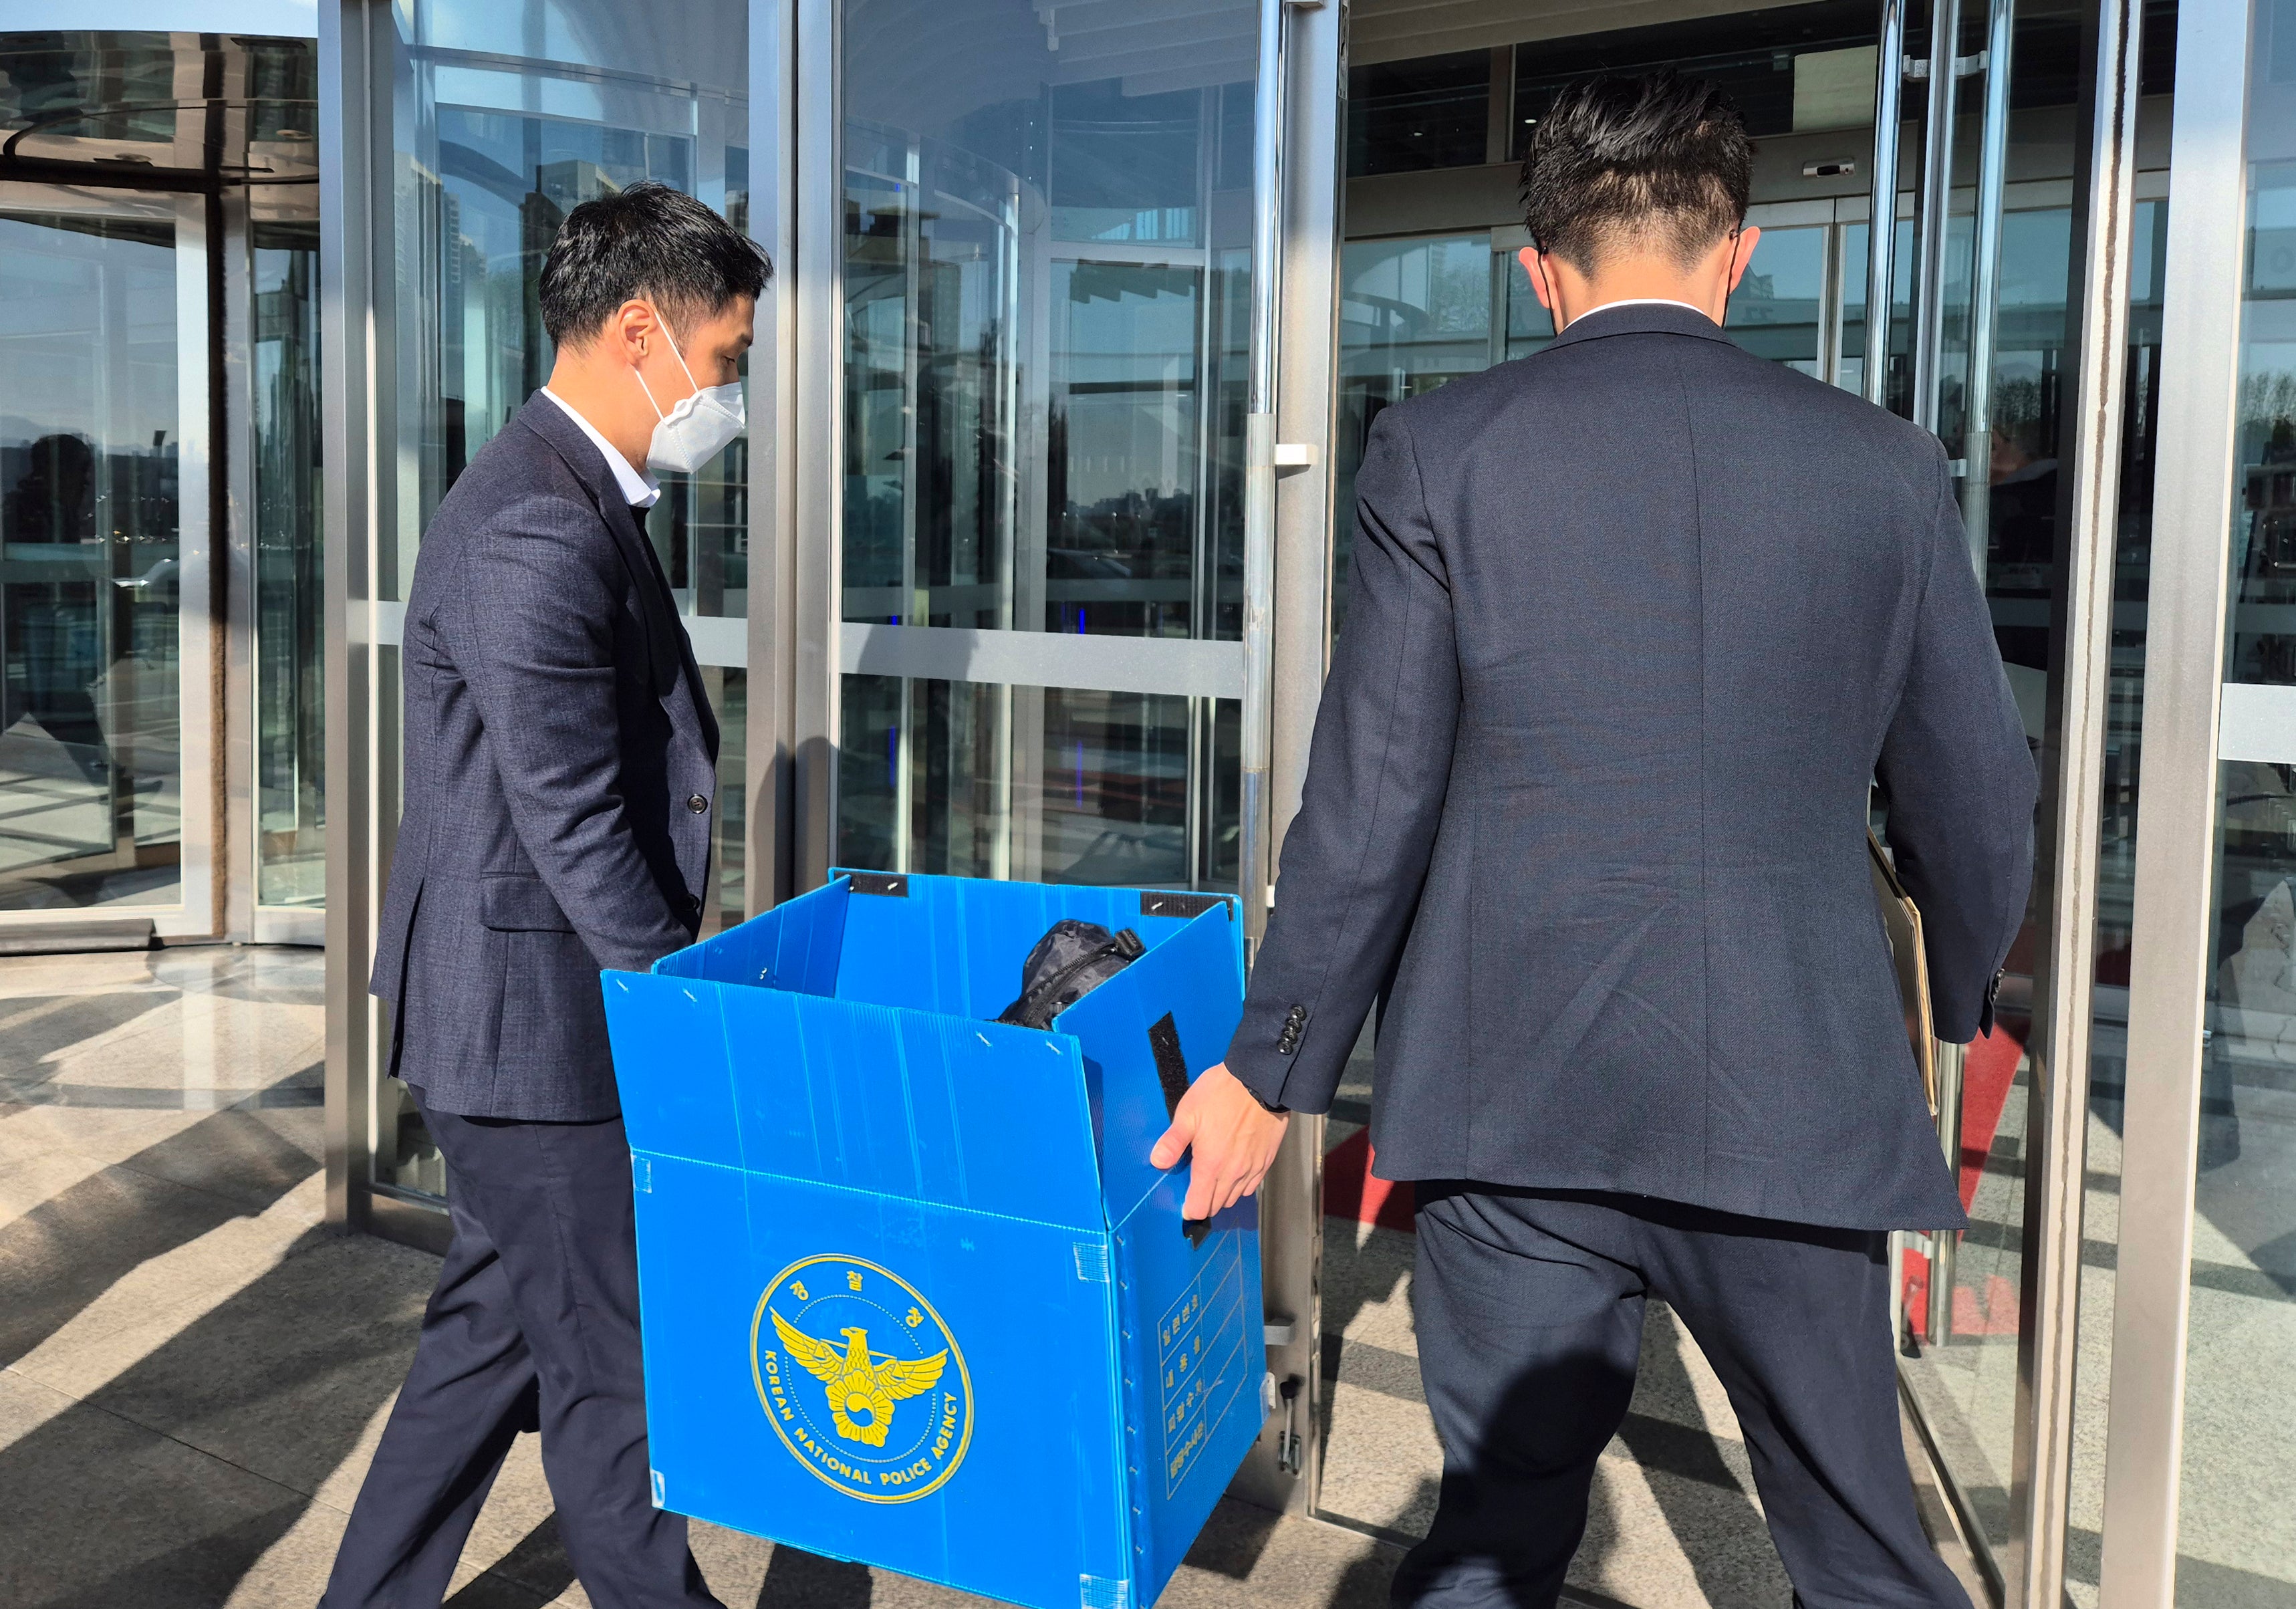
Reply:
x=638, y=490
x=1646, y=302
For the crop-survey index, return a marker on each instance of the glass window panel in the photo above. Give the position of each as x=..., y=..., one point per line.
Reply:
x=1113, y=789
x=90, y=729
x=1047, y=282
x=122, y=86
x=2236, y=1537
x=1789, y=69
x=1125, y=435
x=1963, y=1319
x=869, y=771
x=972, y=779
x=1529, y=324
x=499, y=153
x=1778, y=310
x=1128, y=165
x=729, y=695
x=290, y=631
x=1432, y=111
x=1414, y=314
x=1850, y=367
x=505, y=123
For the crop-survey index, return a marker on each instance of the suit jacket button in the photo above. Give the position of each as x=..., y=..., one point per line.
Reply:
x=697, y=804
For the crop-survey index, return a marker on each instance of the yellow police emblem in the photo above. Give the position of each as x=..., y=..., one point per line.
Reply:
x=860, y=1379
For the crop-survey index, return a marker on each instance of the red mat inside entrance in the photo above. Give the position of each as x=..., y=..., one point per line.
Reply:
x=1351, y=1191
x=1989, y=1071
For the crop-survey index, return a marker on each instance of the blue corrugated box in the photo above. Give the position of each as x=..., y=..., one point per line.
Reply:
x=912, y=1294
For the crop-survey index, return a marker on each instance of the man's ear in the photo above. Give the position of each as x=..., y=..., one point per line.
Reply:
x=1534, y=265
x=632, y=330
x=1742, y=253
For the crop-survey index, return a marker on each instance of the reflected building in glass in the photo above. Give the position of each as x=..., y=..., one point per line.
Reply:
x=1045, y=272
x=161, y=721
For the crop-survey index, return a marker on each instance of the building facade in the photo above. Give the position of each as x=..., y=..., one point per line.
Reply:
x=1031, y=560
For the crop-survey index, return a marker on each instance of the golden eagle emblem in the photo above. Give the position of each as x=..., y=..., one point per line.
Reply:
x=863, y=1386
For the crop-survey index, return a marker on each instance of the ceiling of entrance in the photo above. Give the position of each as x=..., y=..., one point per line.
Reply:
x=1396, y=30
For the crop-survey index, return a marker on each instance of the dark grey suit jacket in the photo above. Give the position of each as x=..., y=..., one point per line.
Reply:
x=1635, y=622
x=560, y=759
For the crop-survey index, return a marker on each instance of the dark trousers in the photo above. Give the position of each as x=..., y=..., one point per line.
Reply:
x=1529, y=1308
x=534, y=1326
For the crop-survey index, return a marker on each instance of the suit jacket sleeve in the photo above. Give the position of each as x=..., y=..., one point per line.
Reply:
x=1357, y=854
x=1961, y=785
x=540, y=593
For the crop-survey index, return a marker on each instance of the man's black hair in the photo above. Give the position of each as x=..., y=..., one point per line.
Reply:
x=647, y=242
x=1659, y=162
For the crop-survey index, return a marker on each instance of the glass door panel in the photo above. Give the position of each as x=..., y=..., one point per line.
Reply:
x=508, y=115
x=1780, y=310
x=2237, y=1537
x=91, y=551
x=1967, y=1337
x=1413, y=315
x=291, y=754
x=1047, y=278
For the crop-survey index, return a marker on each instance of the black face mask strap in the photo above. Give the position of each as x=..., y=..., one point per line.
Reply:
x=1729, y=285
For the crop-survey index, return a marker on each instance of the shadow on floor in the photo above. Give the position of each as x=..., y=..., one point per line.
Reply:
x=66, y=1251
x=796, y=1580
x=195, y=1459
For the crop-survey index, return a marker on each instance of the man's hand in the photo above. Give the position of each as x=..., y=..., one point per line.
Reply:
x=1233, y=1138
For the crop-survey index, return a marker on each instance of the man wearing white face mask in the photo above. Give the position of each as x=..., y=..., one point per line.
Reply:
x=560, y=763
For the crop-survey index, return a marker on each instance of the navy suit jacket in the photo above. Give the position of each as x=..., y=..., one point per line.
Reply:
x=1635, y=623
x=561, y=759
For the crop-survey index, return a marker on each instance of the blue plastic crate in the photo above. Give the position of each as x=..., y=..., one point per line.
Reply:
x=912, y=1294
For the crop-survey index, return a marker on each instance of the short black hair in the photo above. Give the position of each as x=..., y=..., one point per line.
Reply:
x=648, y=241
x=1660, y=160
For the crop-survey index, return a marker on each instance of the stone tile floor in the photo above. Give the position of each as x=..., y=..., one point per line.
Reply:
x=193, y=1371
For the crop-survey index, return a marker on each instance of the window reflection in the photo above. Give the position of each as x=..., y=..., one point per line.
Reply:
x=90, y=739
x=506, y=143
x=1779, y=311
x=2237, y=1531
x=1111, y=793
x=509, y=114
x=290, y=628
x=1047, y=278
x=1430, y=111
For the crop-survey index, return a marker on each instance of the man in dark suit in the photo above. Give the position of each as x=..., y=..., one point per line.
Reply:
x=1635, y=623
x=560, y=763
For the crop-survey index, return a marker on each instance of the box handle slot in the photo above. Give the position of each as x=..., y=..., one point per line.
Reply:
x=1154, y=903
x=1172, y=1075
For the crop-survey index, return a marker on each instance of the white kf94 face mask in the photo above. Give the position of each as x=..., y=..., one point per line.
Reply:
x=698, y=428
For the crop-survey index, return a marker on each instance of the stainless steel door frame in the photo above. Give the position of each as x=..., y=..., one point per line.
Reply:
x=1284, y=1469
x=1942, y=76
x=357, y=39
x=1985, y=275
x=1881, y=241
x=2177, y=812
x=777, y=733
x=2073, y=755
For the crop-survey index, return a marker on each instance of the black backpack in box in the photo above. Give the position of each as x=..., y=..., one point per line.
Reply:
x=1071, y=960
